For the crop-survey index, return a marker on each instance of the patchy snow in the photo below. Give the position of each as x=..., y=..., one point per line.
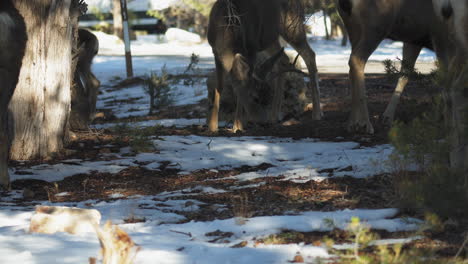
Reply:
x=329, y=52
x=57, y=172
x=296, y=160
x=166, y=236
x=134, y=100
x=182, y=243
x=182, y=122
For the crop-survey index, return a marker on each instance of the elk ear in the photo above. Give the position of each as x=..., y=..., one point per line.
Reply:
x=240, y=68
x=262, y=70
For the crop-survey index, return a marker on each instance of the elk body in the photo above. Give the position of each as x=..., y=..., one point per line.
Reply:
x=237, y=31
x=368, y=22
x=85, y=90
x=293, y=102
x=454, y=16
x=12, y=45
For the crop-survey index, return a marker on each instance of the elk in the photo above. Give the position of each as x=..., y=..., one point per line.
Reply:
x=454, y=16
x=85, y=90
x=368, y=22
x=12, y=47
x=237, y=31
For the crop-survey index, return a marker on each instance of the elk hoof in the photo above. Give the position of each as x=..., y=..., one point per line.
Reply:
x=236, y=129
x=386, y=120
x=317, y=115
x=237, y=126
x=213, y=128
x=5, y=187
x=360, y=127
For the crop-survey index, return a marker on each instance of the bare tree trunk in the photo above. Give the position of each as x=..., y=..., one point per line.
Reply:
x=117, y=15
x=41, y=104
x=201, y=24
x=327, y=34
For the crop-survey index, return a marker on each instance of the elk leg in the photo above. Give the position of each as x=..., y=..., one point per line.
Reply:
x=4, y=177
x=93, y=94
x=5, y=97
x=238, y=117
x=277, y=87
x=213, y=120
x=299, y=42
x=410, y=54
x=359, y=117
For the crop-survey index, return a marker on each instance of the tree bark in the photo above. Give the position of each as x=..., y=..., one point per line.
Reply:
x=41, y=103
x=327, y=34
x=117, y=15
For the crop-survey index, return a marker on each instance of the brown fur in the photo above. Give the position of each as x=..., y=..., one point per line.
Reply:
x=237, y=31
x=368, y=22
x=12, y=45
x=85, y=90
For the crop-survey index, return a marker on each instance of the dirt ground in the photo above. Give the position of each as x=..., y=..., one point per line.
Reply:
x=276, y=197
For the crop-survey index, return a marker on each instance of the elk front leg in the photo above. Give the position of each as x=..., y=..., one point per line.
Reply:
x=238, y=117
x=213, y=119
x=359, y=118
x=4, y=150
x=297, y=39
x=410, y=54
x=7, y=88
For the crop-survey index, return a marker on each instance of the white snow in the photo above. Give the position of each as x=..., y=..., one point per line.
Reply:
x=183, y=36
x=135, y=5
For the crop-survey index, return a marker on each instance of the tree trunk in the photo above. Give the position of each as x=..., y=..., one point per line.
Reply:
x=41, y=103
x=327, y=34
x=201, y=24
x=117, y=15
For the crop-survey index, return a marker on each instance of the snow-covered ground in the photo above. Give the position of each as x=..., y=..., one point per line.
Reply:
x=162, y=238
x=329, y=52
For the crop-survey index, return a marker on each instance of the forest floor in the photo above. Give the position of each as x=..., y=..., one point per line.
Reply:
x=210, y=194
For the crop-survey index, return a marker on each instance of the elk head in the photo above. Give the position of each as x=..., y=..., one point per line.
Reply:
x=255, y=84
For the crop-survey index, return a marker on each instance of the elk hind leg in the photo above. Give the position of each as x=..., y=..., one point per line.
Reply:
x=359, y=117
x=4, y=151
x=238, y=117
x=297, y=39
x=5, y=96
x=410, y=54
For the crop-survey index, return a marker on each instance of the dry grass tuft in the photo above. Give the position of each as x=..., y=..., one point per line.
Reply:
x=116, y=245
